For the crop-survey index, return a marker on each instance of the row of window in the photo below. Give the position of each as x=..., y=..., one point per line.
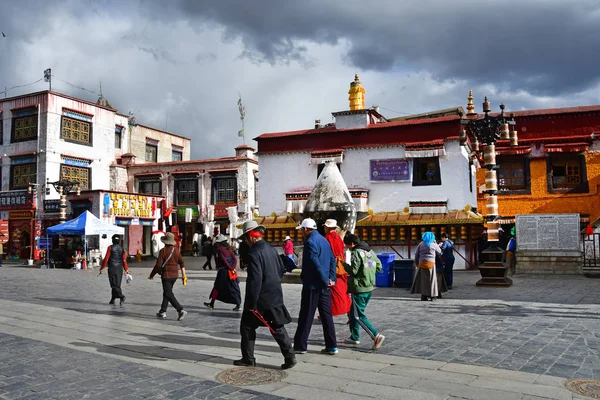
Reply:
x=152, y=153
x=186, y=190
x=21, y=175
x=565, y=172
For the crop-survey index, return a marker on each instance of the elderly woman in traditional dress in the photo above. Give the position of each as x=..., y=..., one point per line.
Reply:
x=425, y=282
x=227, y=285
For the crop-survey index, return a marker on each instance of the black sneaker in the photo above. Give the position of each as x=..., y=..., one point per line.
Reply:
x=237, y=308
x=289, y=363
x=244, y=363
x=112, y=302
x=122, y=301
x=209, y=305
x=161, y=315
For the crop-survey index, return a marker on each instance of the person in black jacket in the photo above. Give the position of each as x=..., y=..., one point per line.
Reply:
x=264, y=298
x=116, y=260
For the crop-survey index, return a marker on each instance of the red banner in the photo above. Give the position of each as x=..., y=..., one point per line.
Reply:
x=221, y=210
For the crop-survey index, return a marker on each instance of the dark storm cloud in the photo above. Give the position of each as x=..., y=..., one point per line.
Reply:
x=544, y=47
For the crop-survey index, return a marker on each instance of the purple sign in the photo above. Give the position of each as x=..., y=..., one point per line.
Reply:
x=389, y=170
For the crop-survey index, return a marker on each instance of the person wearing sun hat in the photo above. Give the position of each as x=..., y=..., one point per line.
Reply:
x=318, y=276
x=264, y=298
x=288, y=252
x=227, y=284
x=168, y=263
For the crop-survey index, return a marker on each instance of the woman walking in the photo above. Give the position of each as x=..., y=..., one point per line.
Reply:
x=167, y=266
x=116, y=260
x=425, y=282
x=227, y=286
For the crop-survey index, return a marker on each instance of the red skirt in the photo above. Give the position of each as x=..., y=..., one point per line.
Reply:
x=340, y=298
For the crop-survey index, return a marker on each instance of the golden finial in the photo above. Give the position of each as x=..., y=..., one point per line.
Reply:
x=470, y=105
x=357, y=94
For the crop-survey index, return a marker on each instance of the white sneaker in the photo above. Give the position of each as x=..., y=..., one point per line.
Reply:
x=351, y=341
x=161, y=315
x=182, y=315
x=378, y=342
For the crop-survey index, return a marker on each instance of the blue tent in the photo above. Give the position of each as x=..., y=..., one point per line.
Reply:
x=86, y=224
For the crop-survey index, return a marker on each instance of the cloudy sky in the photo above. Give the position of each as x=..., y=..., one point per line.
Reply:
x=181, y=64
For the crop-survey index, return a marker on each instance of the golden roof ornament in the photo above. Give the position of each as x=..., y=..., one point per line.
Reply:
x=470, y=105
x=356, y=94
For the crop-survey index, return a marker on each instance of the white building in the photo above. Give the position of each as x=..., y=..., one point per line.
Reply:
x=405, y=177
x=205, y=196
x=47, y=137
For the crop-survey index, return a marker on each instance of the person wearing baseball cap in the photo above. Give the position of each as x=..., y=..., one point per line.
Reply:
x=318, y=276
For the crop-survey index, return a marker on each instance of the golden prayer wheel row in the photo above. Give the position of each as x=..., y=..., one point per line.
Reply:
x=278, y=235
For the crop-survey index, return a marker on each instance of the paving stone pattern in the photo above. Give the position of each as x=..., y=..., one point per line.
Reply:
x=35, y=370
x=542, y=324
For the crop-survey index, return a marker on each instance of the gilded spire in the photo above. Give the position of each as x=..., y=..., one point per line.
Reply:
x=470, y=105
x=356, y=94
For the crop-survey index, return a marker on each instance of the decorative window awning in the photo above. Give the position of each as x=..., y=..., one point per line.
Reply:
x=422, y=150
x=75, y=161
x=148, y=177
x=151, y=142
x=176, y=148
x=77, y=115
x=567, y=148
x=223, y=171
x=24, y=112
x=439, y=206
x=330, y=155
x=180, y=175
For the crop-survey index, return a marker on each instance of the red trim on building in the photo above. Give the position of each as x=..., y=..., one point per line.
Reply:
x=159, y=174
x=186, y=172
x=567, y=148
x=218, y=170
x=512, y=151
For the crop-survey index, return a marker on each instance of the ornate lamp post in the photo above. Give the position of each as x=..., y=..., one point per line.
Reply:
x=63, y=187
x=480, y=135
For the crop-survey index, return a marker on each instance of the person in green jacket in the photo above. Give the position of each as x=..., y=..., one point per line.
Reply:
x=364, y=264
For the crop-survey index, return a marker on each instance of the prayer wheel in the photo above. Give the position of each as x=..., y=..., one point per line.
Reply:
x=292, y=234
x=402, y=233
x=374, y=234
x=443, y=229
x=491, y=205
x=492, y=231
x=463, y=232
x=514, y=138
x=489, y=155
x=383, y=234
x=364, y=234
x=505, y=133
x=299, y=237
x=434, y=230
x=277, y=235
x=393, y=232
x=270, y=235
x=453, y=232
x=491, y=180
x=413, y=233
x=476, y=145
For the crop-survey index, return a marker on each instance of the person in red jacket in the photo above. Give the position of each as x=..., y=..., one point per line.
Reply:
x=340, y=298
x=116, y=260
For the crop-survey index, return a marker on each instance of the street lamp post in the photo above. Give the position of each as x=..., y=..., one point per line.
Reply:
x=481, y=135
x=63, y=187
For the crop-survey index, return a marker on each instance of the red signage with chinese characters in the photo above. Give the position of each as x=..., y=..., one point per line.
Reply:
x=221, y=210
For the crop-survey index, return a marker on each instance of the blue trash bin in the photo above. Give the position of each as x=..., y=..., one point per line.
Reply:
x=385, y=278
x=403, y=272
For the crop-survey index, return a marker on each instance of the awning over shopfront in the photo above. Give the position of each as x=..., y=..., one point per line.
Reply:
x=86, y=224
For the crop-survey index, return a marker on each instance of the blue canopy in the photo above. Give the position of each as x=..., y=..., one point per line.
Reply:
x=86, y=224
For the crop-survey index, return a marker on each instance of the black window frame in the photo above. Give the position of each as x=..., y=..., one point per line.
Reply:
x=89, y=170
x=14, y=120
x=119, y=135
x=12, y=186
x=155, y=147
x=175, y=151
x=321, y=166
x=143, y=184
x=581, y=187
x=89, y=143
x=215, y=182
x=417, y=162
x=185, y=197
x=515, y=159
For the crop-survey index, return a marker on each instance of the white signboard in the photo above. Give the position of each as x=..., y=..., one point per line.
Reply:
x=548, y=232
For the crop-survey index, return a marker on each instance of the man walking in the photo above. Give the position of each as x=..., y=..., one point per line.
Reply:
x=263, y=304
x=362, y=269
x=116, y=260
x=318, y=276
